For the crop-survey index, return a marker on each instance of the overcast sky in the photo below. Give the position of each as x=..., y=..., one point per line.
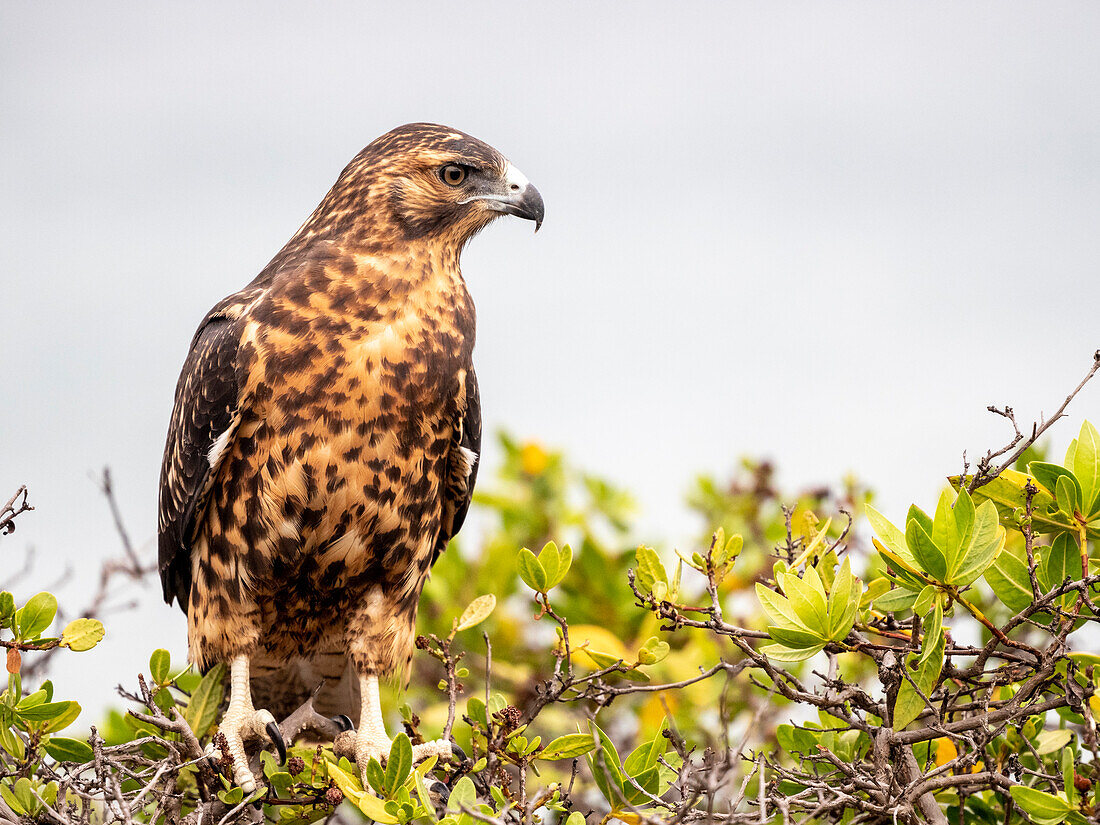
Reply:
x=825, y=233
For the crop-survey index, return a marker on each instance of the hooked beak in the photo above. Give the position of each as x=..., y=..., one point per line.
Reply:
x=517, y=197
x=527, y=203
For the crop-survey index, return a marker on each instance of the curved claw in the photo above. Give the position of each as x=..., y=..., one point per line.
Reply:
x=456, y=750
x=440, y=790
x=276, y=737
x=343, y=722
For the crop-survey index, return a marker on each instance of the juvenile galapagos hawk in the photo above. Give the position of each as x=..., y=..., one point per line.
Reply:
x=324, y=442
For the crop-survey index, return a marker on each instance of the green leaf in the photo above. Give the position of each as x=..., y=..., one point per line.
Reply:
x=963, y=509
x=653, y=651
x=842, y=602
x=12, y=743
x=375, y=775
x=550, y=559
x=909, y=705
x=68, y=750
x=650, y=569
x=917, y=514
x=608, y=775
x=530, y=571
x=25, y=796
x=985, y=541
x=47, y=710
x=422, y=794
x=202, y=710
x=569, y=746
x=1067, y=777
x=1048, y=474
x=63, y=719
x=1066, y=494
x=1061, y=561
x=399, y=764
x=29, y=701
x=779, y=609
x=896, y=600
x=462, y=795
x=1086, y=466
x=280, y=782
x=807, y=597
x=575, y=818
x=1042, y=807
x=924, y=599
x=933, y=637
x=876, y=589
x=231, y=797
x=1008, y=493
x=8, y=794
x=943, y=533
x=890, y=536
x=7, y=606
x=602, y=659
x=645, y=757
x=160, y=663
x=729, y=552
x=782, y=653
x=797, y=740
x=82, y=634
x=477, y=611
x=1009, y=578
x=930, y=558
x=795, y=638
x=475, y=709
x=36, y=615
x=565, y=561
x=1050, y=741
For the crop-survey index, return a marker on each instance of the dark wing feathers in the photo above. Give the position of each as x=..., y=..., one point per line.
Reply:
x=462, y=464
x=207, y=408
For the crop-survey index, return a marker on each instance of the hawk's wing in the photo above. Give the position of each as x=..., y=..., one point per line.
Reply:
x=205, y=416
x=462, y=464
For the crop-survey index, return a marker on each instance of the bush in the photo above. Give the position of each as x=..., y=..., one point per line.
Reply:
x=794, y=666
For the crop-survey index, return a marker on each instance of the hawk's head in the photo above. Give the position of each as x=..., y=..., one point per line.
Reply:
x=437, y=183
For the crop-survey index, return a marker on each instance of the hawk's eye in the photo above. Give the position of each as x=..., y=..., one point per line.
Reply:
x=452, y=174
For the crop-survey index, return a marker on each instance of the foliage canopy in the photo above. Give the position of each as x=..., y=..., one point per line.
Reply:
x=811, y=659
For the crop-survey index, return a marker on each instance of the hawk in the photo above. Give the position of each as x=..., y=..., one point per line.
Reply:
x=324, y=441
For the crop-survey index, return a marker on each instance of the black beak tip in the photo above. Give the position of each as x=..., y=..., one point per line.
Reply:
x=532, y=205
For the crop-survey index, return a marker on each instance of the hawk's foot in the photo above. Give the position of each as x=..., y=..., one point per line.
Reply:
x=237, y=727
x=369, y=745
x=242, y=721
x=439, y=747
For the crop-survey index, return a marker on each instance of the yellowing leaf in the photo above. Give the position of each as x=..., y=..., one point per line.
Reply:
x=369, y=804
x=477, y=611
x=945, y=751
x=606, y=645
x=1049, y=741
x=82, y=634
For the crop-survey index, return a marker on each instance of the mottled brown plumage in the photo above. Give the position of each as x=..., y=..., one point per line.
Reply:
x=323, y=445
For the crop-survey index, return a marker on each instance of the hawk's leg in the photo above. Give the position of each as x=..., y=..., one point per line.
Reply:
x=242, y=721
x=371, y=739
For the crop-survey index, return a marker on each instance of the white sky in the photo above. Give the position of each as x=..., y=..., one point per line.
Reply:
x=827, y=233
